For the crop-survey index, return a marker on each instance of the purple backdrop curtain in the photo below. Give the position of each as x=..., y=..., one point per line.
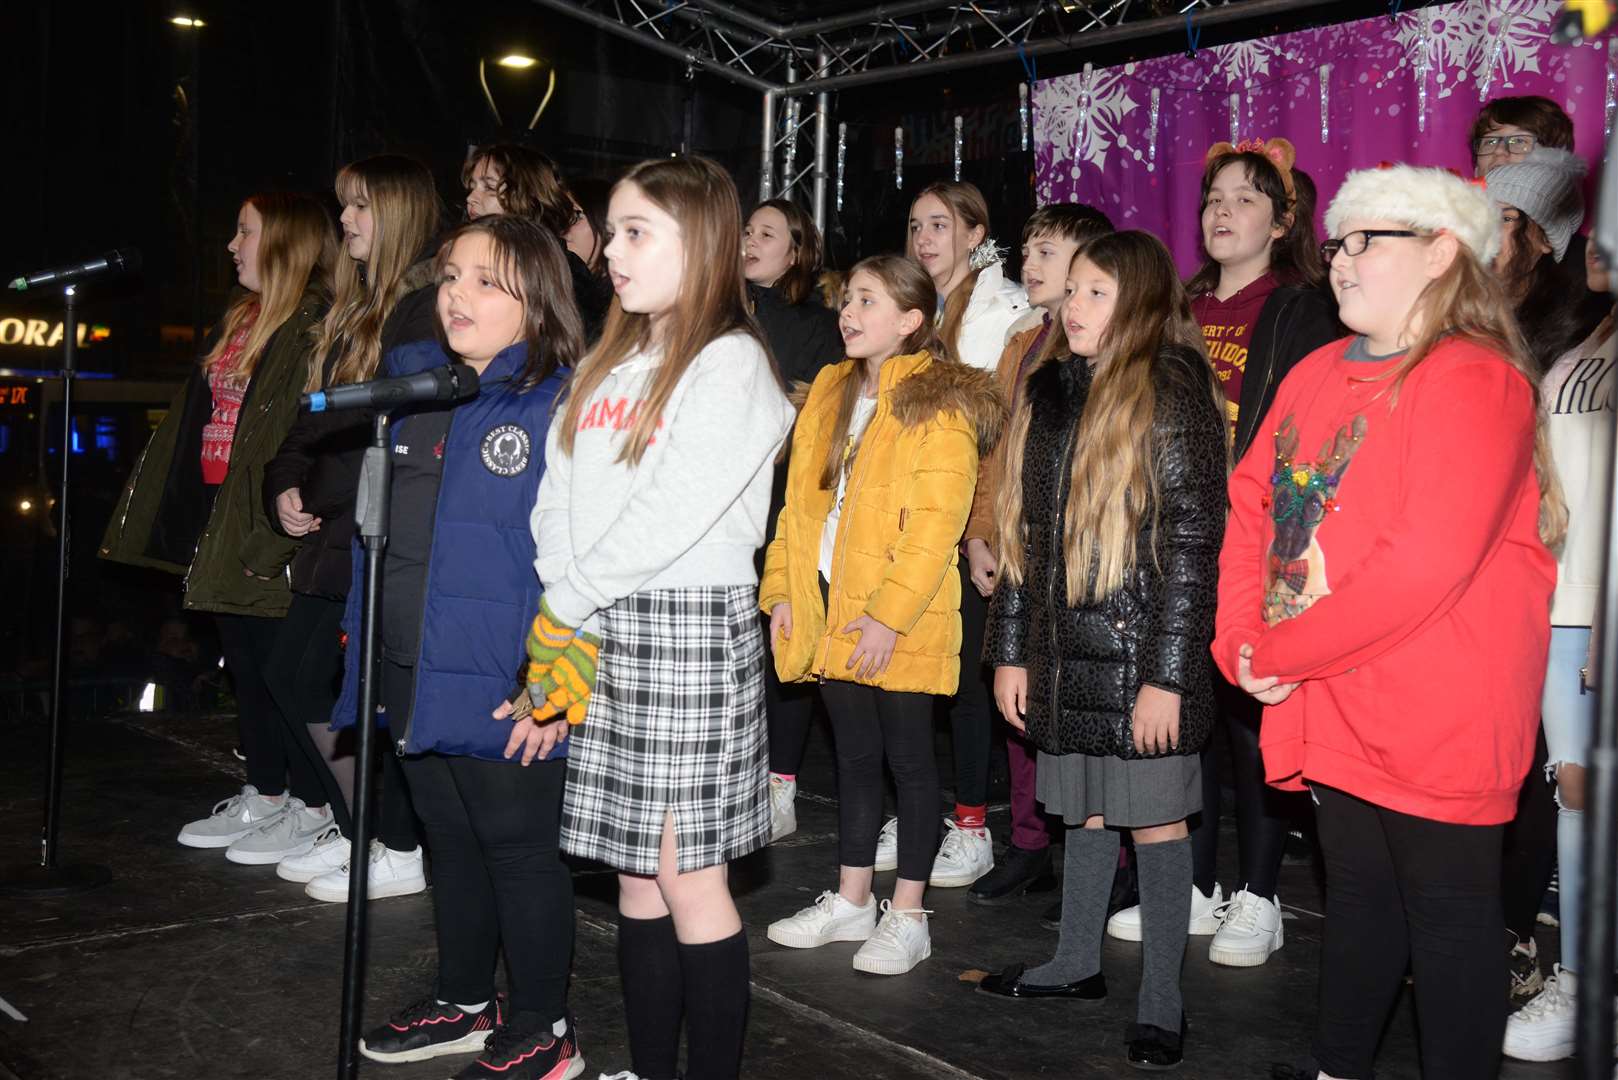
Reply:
x=1131, y=139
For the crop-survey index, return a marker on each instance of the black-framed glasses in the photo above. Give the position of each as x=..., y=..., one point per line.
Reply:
x=1355, y=243
x=1514, y=144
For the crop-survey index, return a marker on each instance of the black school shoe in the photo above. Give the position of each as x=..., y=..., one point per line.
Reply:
x=1009, y=983
x=523, y=1050
x=1153, y=1049
x=429, y=1029
x=1016, y=872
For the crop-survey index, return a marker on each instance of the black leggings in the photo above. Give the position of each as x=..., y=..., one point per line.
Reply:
x=971, y=711
x=1261, y=822
x=867, y=723
x=1403, y=889
x=304, y=672
x=789, y=707
x=273, y=758
x=494, y=828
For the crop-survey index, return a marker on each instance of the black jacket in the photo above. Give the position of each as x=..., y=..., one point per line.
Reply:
x=593, y=295
x=321, y=457
x=1086, y=664
x=1294, y=322
x=803, y=337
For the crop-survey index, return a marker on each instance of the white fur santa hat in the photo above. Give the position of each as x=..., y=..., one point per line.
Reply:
x=1426, y=199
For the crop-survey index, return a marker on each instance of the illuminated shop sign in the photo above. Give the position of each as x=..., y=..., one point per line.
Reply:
x=40, y=334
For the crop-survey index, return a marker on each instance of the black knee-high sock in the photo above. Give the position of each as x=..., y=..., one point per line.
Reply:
x=717, y=989
x=649, y=966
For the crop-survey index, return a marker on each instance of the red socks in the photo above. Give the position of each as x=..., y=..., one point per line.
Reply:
x=970, y=817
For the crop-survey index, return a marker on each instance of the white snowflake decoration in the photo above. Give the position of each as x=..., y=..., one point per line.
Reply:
x=1056, y=119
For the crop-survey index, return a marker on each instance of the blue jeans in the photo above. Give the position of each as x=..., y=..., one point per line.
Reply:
x=1569, y=716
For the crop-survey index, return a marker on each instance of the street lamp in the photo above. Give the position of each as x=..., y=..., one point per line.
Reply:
x=188, y=22
x=517, y=61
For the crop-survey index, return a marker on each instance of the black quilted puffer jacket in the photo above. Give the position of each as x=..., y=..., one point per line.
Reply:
x=1087, y=664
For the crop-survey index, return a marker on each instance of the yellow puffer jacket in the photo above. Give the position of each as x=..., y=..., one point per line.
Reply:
x=904, y=510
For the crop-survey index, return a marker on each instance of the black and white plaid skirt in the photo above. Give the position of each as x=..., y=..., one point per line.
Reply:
x=676, y=726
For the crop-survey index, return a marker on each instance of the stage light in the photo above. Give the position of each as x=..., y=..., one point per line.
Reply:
x=188, y=22
x=148, y=699
x=516, y=60
x=26, y=505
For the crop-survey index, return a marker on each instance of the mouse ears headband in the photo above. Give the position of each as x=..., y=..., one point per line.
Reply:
x=1280, y=153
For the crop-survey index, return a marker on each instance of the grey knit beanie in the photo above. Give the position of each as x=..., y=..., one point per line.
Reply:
x=1545, y=187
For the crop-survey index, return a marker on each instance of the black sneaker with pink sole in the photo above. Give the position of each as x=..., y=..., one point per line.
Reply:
x=525, y=1048
x=430, y=1029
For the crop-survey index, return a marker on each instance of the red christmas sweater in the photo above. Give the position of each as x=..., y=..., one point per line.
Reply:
x=1389, y=559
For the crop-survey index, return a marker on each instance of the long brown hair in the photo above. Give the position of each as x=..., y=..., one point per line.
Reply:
x=296, y=250
x=701, y=197
x=530, y=268
x=910, y=289
x=1113, y=485
x=1468, y=302
x=802, y=274
x=530, y=183
x=970, y=210
x=1294, y=256
x=407, y=212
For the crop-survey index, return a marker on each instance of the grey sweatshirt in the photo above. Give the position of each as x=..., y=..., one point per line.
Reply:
x=695, y=509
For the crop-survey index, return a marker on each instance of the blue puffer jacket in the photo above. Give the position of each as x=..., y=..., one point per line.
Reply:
x=481, y=591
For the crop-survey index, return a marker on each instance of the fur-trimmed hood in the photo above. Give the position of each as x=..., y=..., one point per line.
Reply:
x=922, y=386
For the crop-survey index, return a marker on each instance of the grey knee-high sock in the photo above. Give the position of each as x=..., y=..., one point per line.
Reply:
x=1088, y=867
x=1165, y=915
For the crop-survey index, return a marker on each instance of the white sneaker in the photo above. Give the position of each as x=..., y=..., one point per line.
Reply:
x=898, y=944
x=887, y=846
x=1543, y=1029
x=392, y=873
x=1250, y=932
x=783, y=808
x=965, y=856
x=231, y=819
x=830, y=918
x=625, y=1075
x=1205, y=917
x=292, y=833
x=329, y=853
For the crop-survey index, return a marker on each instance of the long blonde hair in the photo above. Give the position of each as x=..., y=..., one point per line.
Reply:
x=407, y=213
x=970, y=210
x=701, y=197
x=910, y=289
x=1113, y=485
x=296, y=249
x=1469, y=302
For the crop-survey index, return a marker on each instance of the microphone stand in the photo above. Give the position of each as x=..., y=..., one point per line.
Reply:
x=48, y=877
x=371, y=515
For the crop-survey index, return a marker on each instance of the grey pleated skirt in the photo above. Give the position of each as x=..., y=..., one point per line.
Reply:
x=1128, y=794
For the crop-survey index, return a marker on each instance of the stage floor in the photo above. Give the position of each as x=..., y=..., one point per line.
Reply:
x=188, y=966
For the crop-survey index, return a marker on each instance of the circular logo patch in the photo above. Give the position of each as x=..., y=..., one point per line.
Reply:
x=506, y=450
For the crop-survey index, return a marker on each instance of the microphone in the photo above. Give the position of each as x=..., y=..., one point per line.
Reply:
x=451, y=382
x=119, y=261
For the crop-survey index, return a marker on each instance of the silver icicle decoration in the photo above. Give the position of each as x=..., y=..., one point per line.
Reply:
x=1151, y=132
x=789, y=159
x=899, y=158
x=1082, y=131
x=842, y=156
x=957, y=149
x=1022, y=112
x=1424, y=65
x=1612, y=83
x=1235, y=118
x=1497, y=43
x=1325, y=103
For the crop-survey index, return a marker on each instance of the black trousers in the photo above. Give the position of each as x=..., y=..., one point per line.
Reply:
x=868, y=724
x=789, y=706
x=1530, y=847
x=274, y=761
x=1403, y=889
x=971, y=711
x=494, y=829
x=1261, y=820
x=305, y=672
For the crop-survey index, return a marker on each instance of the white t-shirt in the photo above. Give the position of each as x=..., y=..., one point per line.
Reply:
x=1577, y=396
x=864, y=409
